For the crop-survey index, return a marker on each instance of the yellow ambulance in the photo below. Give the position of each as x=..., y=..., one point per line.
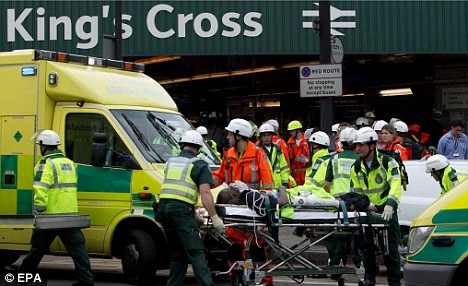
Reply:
x=438, y=242
x=117, y=124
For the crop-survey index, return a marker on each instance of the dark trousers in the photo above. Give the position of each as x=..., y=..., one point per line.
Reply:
x=391, y=260
x=74, y=242
x=184, y=241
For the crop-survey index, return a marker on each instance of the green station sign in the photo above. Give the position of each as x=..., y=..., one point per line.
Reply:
x=235, y=27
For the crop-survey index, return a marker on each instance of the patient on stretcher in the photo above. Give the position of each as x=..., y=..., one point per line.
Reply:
x=306, y=195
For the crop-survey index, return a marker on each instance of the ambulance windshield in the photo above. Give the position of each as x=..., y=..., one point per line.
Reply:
x=157, y=134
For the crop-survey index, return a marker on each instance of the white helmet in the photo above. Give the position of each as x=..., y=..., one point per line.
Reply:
x=320, y=138
x=400, y=126
x=266, y=128
x=366, y=135
x=348, y=135
x=335, y=127
x=436, y=163
x=240, y=126
x=393, y=120
x=192, y=137
x=379, y=124
x=274, y=123
x=177, y=135
x=49, y=138
x=369, y=114
x=362, y=121
x=202, y=130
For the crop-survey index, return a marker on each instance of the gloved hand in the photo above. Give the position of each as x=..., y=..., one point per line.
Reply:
x=239, y=186
x=218, y=224
x=387, y=212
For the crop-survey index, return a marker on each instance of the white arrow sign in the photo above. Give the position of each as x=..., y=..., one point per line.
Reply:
x=335, y=13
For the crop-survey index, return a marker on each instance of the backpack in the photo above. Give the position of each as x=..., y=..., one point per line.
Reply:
x=414, y=150
x=386, y=154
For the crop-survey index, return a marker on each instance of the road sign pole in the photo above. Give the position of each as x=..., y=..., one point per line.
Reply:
x=327, y=108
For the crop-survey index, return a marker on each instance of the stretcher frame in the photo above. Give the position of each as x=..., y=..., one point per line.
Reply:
x=292, y=263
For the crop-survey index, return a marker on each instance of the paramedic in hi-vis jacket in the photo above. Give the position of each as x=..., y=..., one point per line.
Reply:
x=382, y=184
x=247, y=163
x=187, y=177
x=55, y=188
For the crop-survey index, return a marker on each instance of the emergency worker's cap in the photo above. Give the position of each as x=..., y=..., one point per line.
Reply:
x=202, y=130
x=366, y=135
x=348, y=135
x=294, y=125
x=192, y=137
x=240, y=126
x=436, y=162
x=266, y=128
x=400, y=127
x=320, y=138
x=379, y=124
x=48, y=138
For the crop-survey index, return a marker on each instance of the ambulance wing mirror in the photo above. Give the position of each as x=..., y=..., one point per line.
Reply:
x=98, y=149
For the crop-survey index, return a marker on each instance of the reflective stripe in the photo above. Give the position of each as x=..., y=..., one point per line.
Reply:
x=394, y=198
x=356, y=190
x=284, y=168
x=181, y=183
x=297, y=159
x=253, y=174
x=373, y=191
x=253, y=186
x=299, y=170
x=39, y=208
x=179, y=193
x=268, y=186
x=54, y=170
x=41, y=184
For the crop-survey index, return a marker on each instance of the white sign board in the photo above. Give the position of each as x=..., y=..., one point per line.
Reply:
x=337, y=51
x=454, y=97
x=321, y=80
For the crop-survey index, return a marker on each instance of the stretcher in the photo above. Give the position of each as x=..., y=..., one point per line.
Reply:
x=318, y=222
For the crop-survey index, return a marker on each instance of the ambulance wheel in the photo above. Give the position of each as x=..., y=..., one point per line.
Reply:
x=138, y=257
x=8, y=257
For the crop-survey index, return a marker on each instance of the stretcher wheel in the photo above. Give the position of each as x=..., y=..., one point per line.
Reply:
x=341, y=281
x=361, y=283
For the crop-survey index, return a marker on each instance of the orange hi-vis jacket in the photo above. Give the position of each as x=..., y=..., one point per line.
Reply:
x=280, y=142
x=299, y=159
x=253, y=168
x=398, y=148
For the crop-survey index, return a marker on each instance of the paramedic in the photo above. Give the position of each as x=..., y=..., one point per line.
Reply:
x=186, y=178
x=249, y=164
x=279, y=165
x=447, y=176
x=381, y=183
x=337, y=182
x=55, y=192
x=299, y=154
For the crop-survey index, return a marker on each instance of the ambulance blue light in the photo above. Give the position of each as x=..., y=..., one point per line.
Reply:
x=28, y=71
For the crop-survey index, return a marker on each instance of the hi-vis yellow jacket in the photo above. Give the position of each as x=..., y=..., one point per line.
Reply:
x=178, y=183
x=382, y=186
x=55, y=185
x=279, y=165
